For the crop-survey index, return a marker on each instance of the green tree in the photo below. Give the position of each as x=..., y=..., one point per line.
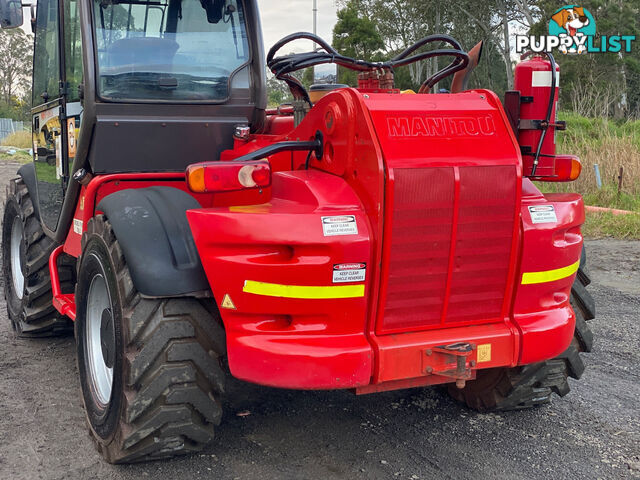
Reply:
x=277, y=91
x=401, y=23
x=594, y=84
x=356, y=36
x=600, y=84
x=15, y=64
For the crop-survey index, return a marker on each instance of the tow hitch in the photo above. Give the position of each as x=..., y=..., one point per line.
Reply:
x=451, y=361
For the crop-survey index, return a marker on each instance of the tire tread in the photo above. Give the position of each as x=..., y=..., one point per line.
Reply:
x=532, y=385
x=173, y=370
x=37, y=316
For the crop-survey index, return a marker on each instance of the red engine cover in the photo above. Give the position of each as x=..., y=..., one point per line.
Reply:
x=452, y=207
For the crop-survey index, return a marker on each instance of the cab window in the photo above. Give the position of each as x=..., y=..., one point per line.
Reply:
x=169, y=50
x=46, y=69
x=72, y=50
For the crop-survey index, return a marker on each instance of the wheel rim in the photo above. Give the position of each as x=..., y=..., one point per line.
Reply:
x=100, y=340
x=16, y=258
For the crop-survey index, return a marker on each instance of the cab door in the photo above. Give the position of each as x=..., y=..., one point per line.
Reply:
x=56, y=107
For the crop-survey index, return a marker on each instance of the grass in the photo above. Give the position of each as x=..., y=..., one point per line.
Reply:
x=611, y=145
x=19, y=157
x=610, y=198
x=605, y=224
x=46, y=172
x=607, y=143
x=18, y=140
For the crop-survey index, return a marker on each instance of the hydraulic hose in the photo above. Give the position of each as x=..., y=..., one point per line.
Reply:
x=282, y=67
x=547, y=121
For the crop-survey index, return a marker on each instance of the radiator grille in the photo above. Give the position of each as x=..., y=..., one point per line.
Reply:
x=424, y=208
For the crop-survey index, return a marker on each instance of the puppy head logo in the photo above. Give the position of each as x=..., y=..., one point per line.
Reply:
x=572, y=21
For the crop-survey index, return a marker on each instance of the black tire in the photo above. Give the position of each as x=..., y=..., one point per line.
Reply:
x=31, y=311
x=502, y=389
x=167, y=362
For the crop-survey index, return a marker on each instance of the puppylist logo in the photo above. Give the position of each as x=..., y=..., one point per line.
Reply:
x=572, y=30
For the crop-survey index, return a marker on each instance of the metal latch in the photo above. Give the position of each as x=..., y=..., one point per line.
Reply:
x=451, y=361
x=526, y=124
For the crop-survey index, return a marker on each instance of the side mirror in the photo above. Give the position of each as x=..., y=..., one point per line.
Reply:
x=11, y=13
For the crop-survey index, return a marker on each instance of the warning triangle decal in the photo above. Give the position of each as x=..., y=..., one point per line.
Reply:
x=228, y=303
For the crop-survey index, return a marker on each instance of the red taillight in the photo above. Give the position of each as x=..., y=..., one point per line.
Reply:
x=568, y=167
x=228, y=176
x=261, y=176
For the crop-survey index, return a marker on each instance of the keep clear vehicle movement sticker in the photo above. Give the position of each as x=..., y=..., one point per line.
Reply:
x=543, y=214
x=349, y=272
x=340, y=225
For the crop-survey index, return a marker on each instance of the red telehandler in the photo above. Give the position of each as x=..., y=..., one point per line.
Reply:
x=370, y=240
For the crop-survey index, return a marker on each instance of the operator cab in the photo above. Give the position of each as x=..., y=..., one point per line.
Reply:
x=137, y=86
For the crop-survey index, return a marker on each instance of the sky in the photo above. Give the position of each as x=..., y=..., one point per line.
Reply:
x=282, y=17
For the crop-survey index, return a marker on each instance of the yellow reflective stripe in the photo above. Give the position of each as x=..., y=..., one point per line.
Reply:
x=299, y=291
x=530, y=278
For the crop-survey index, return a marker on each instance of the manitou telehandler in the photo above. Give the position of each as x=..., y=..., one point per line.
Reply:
x=370, y=240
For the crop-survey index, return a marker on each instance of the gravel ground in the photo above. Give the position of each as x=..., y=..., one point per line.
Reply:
x=592, y=433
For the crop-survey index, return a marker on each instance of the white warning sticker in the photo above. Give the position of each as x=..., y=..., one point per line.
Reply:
x=542, y=78
x=77, y=226
x=349, y=272
x=341, y=225
x=543, y=214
